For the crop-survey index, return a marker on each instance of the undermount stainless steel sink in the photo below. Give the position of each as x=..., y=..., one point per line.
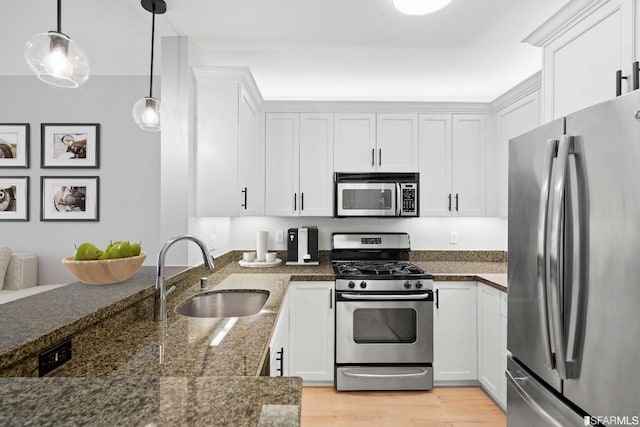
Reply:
x=224, y=303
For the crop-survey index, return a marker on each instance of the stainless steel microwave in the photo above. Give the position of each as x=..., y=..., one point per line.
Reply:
x=376, y=194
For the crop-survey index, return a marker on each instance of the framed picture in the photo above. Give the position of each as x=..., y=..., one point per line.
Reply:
x=14, y=198
x=70, y=145
x=14, y=145
x=69, y=198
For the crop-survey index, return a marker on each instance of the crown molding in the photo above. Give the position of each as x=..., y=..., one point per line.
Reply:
x=521, y=90
x=231, y=74
x=571, y=13
x=374, y=107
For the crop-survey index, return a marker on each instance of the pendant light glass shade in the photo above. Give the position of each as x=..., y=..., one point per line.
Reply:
x=149, y=113
x=419, y=7
x=56, y=59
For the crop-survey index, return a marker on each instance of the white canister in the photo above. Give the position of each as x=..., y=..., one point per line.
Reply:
x=261, y=245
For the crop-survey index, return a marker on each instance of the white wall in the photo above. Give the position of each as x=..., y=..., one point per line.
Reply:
x=426, y=233
x=129, y=168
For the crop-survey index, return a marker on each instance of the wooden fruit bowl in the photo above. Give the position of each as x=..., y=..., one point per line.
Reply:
x=103, y=272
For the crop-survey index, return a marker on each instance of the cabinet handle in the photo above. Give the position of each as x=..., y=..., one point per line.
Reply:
x=619, y=78
x=301, y=201
x=244, y=205
x=449, y=202
x=379, y=156
x=437, y=298
x=636, y=75
x=373, y=157
x=280, y=359
x=330, y=299
x=295, y=201
x=456, y=202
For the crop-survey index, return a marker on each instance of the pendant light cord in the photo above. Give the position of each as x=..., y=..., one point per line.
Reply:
x=60, y=16
x=153, y=32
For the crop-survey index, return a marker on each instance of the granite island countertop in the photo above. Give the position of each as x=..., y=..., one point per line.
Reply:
x=126, y=367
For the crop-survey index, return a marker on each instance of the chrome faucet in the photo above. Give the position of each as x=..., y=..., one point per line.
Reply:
x=160, y=293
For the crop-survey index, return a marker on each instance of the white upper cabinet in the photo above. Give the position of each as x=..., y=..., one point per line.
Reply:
x=354, y=143
x=452, y=164
x=376, y=142
x=435, y=164
x=468, y=152
x=249, y=158
x=299, y=164
x=512, y=120
x=584, y=45
x=397, y=143
x=281, y=168
x=316, y=164
x=227, y=152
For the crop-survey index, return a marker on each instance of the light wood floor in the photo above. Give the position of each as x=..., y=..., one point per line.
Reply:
x=450, y=407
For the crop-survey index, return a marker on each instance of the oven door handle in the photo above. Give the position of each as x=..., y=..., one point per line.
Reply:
x=412, y=374
x=384, y=297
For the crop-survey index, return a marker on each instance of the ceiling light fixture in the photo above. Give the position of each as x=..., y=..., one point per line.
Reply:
x=56, y=59
x=419, y=7
x=148, y=112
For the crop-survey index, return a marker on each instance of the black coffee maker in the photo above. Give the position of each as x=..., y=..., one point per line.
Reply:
x=302, y=246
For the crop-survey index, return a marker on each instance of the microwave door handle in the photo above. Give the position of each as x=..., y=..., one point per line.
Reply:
x=398, y=199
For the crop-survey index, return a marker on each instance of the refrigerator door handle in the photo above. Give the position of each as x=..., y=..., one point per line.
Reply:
x=543, y=231
x=556, y=272
x=530, y=401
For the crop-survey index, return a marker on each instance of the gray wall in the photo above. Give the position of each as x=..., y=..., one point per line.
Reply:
x=129, y=168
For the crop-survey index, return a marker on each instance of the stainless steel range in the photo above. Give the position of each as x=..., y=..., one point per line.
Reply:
x=384, y=314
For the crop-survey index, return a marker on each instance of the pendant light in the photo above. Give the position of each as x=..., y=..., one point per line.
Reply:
x=419, y=7
x=56, y=59
x=148, y=112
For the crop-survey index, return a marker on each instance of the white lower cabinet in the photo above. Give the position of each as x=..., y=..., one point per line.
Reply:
x=489, y=338
x=279, y=345
x=455, y=333
x=502, y=392
x=470, y=337
x=308, y=350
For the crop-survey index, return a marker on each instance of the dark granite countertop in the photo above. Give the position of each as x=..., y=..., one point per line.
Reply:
x=165, y=401
x=118, y=346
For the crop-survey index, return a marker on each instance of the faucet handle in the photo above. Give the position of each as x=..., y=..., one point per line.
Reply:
x=204, y=283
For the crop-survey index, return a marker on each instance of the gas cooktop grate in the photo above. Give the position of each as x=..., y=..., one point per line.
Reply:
x=381, y=268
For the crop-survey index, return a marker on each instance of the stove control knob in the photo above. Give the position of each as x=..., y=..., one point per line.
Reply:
x=351, y=284
x=363, y=284
x=419, y=284
x=407, y=284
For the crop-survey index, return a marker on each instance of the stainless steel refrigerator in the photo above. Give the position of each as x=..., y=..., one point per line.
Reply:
x=574, y=269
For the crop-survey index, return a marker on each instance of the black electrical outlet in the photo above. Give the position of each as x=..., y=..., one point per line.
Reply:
x=50, y=359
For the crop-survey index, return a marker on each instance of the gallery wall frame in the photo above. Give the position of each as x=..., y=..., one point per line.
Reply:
x=14, y=145
x=70, y=145
x=69, y=198
x=14, y=198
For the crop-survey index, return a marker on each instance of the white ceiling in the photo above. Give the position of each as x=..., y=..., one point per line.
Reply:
x=307, y=49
